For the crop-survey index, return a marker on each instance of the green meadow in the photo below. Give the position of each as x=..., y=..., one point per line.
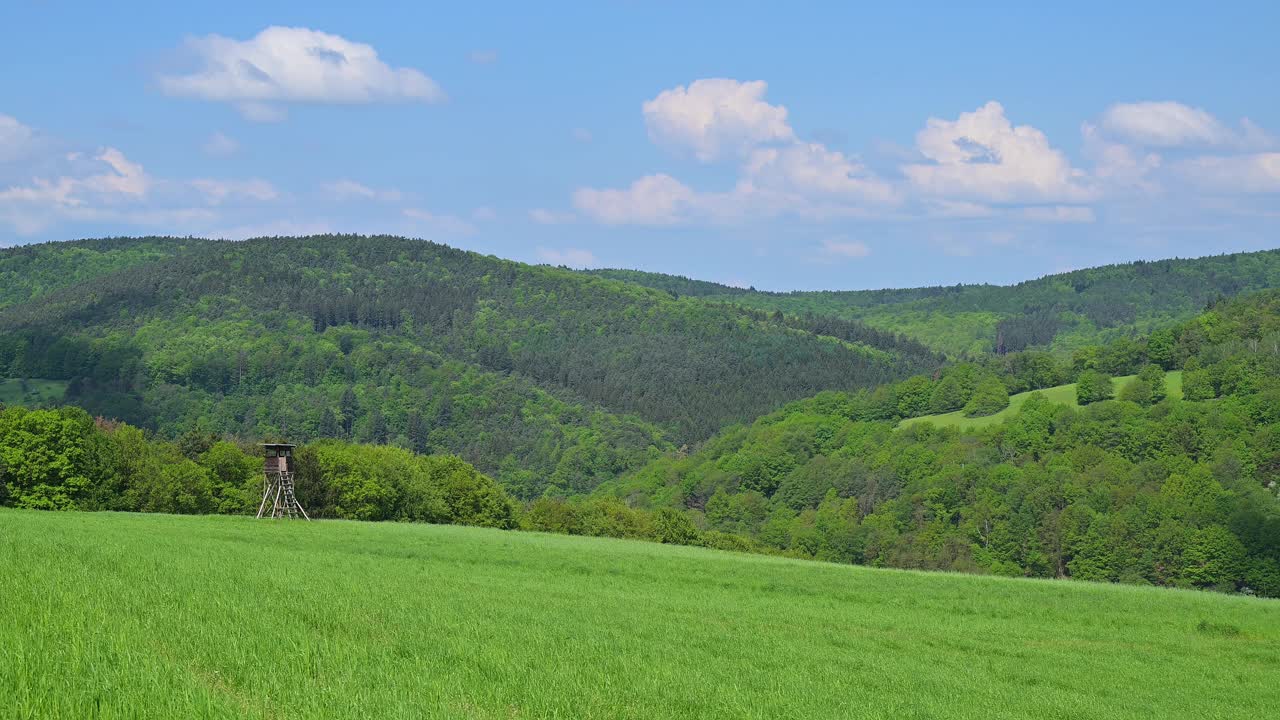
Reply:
x=154, y=616
x=1064, y=394
x=34, y=392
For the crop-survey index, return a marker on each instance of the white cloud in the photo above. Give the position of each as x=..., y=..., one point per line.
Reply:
x=294, y=65
x=778, y=173
x=483, y=57
x=127, y=178
x=1256, y=173
x=845, y=248
x=219, y=145
x=1203, y=154
x=543, y=216
x=714, y=117
x=109, y=188
x=484, y=214
x=1172, y=124
x=811, y=170
x=1120, y=167
x=977, y=167
x=15, y=138
x=217, y=191
x=981, y=155
x=352, y=190
x=445, y=225
x=651, y=200
x=119, y=179
x=569, y=257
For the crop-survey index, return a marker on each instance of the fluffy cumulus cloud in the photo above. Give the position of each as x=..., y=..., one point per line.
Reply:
x=714, y=117
x=978, y=167
x=777, y=173
x=982, y=156
x=293, y=65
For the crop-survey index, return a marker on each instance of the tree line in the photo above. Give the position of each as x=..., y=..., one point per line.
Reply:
x=1059, y=312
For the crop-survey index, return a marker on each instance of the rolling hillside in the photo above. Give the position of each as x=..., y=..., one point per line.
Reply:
x=111, y=615
x=1060, y=394
x=1179, y=487
x=1061, y=312
x=540, y=376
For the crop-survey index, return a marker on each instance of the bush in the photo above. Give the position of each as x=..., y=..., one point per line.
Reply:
x=1093, y=386
x=554, y=515
x=674, y=528
x=724, y=541
x=989, y=398
x=1137, y=391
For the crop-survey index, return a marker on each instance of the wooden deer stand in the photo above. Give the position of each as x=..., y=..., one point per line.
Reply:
x=278, y=500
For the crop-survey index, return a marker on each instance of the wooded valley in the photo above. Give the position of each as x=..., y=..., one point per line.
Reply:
x=140, y=373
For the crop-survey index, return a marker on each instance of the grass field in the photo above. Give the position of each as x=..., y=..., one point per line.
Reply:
x=34, y=392
x=124, y=616
x=1065, y=394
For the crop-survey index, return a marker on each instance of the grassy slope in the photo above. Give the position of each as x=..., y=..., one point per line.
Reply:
x=36, y=393
x=1065, y=394
x=159, y=616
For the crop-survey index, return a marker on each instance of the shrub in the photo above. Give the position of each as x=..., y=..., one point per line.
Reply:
x=1093, y=386
x=989, y=398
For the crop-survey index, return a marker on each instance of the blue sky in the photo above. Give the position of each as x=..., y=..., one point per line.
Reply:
x=786, y=146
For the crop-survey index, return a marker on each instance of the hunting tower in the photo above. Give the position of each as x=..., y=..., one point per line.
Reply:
x=278, y=500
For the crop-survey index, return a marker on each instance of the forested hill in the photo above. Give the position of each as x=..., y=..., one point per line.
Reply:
x=541, y=376
x=1150, y=488
x=1059, y=312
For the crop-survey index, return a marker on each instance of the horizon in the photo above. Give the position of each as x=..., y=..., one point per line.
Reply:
x=685, y=276
x=880, y=147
